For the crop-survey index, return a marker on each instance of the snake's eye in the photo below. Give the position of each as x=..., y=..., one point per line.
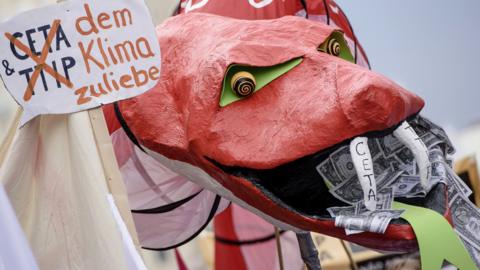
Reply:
x=333, y=47
x=336, y=45
x=243, y=83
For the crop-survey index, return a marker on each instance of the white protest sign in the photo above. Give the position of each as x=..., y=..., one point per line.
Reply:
x=77, y=55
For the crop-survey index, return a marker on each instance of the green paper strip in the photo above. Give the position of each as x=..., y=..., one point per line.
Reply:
x=436, y=239
x=263, y=76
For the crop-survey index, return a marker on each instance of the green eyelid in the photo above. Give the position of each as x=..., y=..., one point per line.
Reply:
x=345, y=53
x=263, y=76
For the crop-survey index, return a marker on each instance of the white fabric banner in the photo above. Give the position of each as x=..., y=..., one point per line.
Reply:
x=14, y=250
x=56, y=183
x=77, y=55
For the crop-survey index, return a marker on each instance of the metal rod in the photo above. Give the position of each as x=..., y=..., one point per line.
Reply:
x=279, y=248
x=353, y=264
x=308, y=251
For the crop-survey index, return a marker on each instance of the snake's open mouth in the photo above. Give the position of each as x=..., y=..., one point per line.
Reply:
x=311, y=184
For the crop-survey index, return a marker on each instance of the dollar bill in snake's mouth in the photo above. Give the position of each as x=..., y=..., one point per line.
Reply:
x=328, y=178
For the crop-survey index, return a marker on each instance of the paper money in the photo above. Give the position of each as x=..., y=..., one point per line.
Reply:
x=341, y=211
x=474, y=253
x=438, y=131
x=328, y=173
x=349, y=191
x=409, y=186
x=384, y=201
x=430, y=140
x=396, y=174
x=342, y=162
x=374, y=148
x=466, y=218
x=453, y=179
x=452, y=192
x=358, y=219
x=350, y=232
x=438, y=169
x=375, y=221
x=405, y=156
x=380, y=165
x=388, y=178
x=389, y=145
x=436, y=154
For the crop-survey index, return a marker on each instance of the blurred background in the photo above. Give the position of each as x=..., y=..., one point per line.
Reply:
x=429, y=47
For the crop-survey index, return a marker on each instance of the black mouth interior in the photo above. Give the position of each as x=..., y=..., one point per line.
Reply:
x=299, y=187
x=296, y=184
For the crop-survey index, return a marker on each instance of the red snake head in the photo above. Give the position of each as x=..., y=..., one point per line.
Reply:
x=262, y=151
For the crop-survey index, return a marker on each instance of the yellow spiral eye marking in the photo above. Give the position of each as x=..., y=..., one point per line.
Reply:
x=243, y=83
x=336, y=45
x=333, y=47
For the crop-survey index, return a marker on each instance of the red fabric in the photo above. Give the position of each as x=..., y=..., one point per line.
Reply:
x=227, y=256
x=181, y=264
x=110, y=118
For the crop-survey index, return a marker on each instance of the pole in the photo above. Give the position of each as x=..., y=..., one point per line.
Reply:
x=308, y=251
x=279, y=248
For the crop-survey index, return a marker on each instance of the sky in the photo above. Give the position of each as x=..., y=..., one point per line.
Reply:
x=430, y=47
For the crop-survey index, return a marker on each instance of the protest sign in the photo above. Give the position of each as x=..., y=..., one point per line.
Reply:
x=77, y=55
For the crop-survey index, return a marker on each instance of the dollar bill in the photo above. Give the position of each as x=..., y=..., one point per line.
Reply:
x=341, y=211
x=375, y=221
x=349, y=191
x=436, y=154
x=452, y=192
x=434, y=180
x=395, y=163
x=387, y=178
x=380, y=165
x=389, y=145
x=409, y=186
x=449, y=162
x=407, y=159
x=438, y=131
x=439, y=170
x=359, y=211
x=328, y=173
x=474, y=253
x=374, y=147
x=466, y=218
x=453, y=179
x=350, y=232
x=384, y=201
x=431, y=140
x=342, y=162
x=405, y=156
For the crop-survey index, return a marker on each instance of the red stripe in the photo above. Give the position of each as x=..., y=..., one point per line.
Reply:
x=227, y=256
x=181, y=264
x=110, y=118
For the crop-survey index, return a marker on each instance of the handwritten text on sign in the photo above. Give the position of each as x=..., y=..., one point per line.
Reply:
x=78, y=55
